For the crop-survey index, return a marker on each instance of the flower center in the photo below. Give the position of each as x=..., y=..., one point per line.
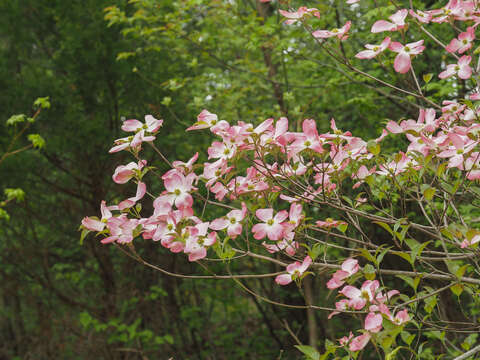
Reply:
x=270, y=222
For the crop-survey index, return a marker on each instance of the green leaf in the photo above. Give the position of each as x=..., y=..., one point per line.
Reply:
x=367, y=255
x=429, y=193
x=441, y=169
x=125, y=55
x=42, y=102
x=403, y=255
x=17, y=194
x=393, y=354
x=85, y=319
x=317, y=249
x=342, y=227
x=381, y=255
x=168, y=338
x=461, y=271
x=470, y=340
x=407, y=279
x=37, y=141
x=369, y=272
x=416, y=281
x=385, y=226
x=416, y=248
x=309, y=351
x=373, y=147
x=166, y=101
x=4, y=215
x=16, y=119
x=407, y=337
x=83, y=235
x=457, y=289
x=430, y=304
x=427, y=77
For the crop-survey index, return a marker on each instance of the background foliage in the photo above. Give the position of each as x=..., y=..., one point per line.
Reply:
x=101, y=61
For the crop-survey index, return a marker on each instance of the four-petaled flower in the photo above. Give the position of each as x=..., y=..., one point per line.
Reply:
x=341, y=33
x=294, y=270
x=462, y=69
x=398, y=22
x=373, y=50
x=272, y=227
x=403, y=60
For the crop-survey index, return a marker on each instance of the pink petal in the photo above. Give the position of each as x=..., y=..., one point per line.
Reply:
x=359, y=342
x=92, y=224
x=274, y=232
x=281, y=216
x=402, y=63
x=283, y=279
x=394, y=128
x=350, y=266
x=264, y=214
x=259, y=231
x=197, y=254
x=131, y=125
x=382, y=25
x=219, y=224
x=373, y=322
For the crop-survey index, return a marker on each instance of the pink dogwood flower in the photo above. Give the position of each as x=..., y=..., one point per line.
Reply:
x=231, y=222
x=289, y=246
x=373, y=50
x=466, y=242
x=359, y=297
x=373, y=322
x=359, y=342
x=294, y=16
x=124, y=173
x=423, y=17
x=294, y=270
x=341, y=33
x=330, y=223
x=272, y=227
x=151, y=125
x=131, y=142
x=197, y=240
x=462, y=69
x=121, y=230
x=98, y=225
x=400, y=318
x=206, y=120
x=349, y=267
x=128, y=203
x=463, y=42
x=403, y=61
x=398, y=22
x=178, y=189
x=309, y=139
